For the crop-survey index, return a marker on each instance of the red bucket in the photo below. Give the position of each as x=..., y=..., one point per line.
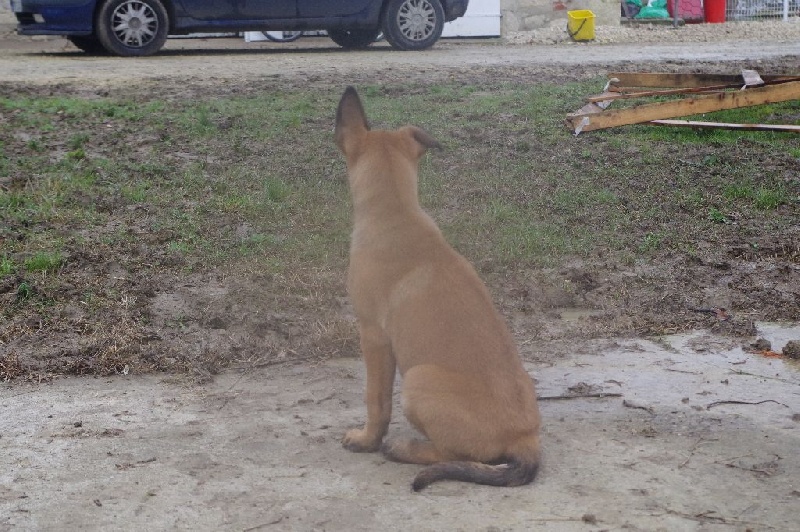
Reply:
x=714, y=10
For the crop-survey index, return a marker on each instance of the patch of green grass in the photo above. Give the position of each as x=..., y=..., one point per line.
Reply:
x=739, y=191
x=44, y=261
x=252, y=185
x=7, y=266
x=537, y=243
x=276, y=190
x=180, y=246
x=777, y=113
x=200, y=121
x=136, y=192
x=12, y=202
x=769, y=198
x=690, y=199
x=240, y=203
x=512, y=184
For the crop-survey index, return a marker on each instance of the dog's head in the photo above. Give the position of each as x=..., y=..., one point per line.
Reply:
x=354, y=137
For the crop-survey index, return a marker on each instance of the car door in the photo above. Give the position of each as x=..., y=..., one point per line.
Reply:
x=328, y=8
x=267, y=9
x=222, y=10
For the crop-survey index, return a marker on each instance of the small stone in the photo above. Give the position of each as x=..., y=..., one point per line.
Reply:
x=762, y=344
x=792, y=350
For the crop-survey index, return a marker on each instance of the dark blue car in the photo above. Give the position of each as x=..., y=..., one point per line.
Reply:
x=140, y=27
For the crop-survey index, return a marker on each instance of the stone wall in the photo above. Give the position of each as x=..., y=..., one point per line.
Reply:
x=523, y=15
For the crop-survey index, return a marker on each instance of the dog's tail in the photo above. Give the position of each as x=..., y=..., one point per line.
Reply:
x=512, y=473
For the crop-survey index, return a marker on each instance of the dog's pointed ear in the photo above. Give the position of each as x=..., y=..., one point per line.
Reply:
x=351, y=120
x=424, y=139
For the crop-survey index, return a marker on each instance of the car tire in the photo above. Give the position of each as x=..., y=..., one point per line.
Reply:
x=88, y=43
x=132, y=28
x=413, y=24
x=353, y=39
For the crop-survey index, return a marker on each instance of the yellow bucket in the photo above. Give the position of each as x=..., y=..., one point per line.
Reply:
x=580, y=25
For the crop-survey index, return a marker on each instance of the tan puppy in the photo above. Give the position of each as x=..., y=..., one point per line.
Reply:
x=422, y=309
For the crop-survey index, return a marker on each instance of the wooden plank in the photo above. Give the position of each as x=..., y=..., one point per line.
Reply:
x=752, y=80
x=666, y=92
x=659, y=79
x=675, y=80
x=722, y=125
x=686, y=107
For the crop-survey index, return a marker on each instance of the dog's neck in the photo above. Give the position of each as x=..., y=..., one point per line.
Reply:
x=382, y=195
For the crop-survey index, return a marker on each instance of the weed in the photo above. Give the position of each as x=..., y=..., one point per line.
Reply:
x=716, y=216
x=24, y=292
x=77, y=141
x=35, y=145
x=651, y=242
x=77, y=154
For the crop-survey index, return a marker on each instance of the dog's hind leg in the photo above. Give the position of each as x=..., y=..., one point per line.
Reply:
x=411, y=451
x=381, y=366
x=455, y=412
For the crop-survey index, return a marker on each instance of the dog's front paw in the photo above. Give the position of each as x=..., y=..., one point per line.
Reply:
x=358, y=441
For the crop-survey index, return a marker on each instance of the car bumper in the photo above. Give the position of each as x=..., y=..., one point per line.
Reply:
x=54, y=17
x=455, y=9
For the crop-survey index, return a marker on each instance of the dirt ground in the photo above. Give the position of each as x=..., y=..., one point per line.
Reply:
x=681, y=432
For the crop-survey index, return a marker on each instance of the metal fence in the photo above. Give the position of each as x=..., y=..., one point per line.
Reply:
x=761, y=9
x=693, y=11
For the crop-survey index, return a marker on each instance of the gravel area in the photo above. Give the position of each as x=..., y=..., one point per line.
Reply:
x=772, y=31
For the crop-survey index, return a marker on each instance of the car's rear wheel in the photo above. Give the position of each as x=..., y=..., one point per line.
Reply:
x=132, y=27
x=88, y=44
x=413, y=24
x=353, y=38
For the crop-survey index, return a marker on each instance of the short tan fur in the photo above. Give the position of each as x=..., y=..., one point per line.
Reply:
x=423, y=310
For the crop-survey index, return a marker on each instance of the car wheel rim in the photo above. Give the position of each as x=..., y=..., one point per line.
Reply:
x=416, y=20
x=134, y=23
